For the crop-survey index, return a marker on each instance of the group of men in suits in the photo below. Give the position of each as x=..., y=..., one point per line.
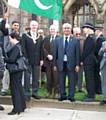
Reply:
x=61, y=57
x=67, y=61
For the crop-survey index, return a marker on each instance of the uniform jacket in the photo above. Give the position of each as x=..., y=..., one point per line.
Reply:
x=88, y=56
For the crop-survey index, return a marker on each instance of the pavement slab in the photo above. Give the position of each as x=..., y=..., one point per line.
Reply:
x=36, y=113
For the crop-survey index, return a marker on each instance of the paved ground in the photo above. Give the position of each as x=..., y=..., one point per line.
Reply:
x=36, y=113
x=52, y=103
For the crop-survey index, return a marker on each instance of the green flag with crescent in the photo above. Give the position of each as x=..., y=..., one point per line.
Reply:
x=48, y=8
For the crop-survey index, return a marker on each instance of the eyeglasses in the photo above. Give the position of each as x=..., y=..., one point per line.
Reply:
x=66, y=28
x=78, y=34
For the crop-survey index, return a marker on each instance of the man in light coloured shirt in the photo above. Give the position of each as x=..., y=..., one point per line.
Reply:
x=66, y=61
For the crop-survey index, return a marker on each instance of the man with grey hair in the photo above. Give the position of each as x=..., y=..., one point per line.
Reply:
x=48, y=48
x=32, y=51
x=77, y=34
x=66, y=61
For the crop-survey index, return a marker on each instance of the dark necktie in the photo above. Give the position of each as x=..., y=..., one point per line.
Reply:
x=66, y=44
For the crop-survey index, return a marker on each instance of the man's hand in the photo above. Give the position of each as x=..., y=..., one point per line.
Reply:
x=50, y=57
x=41, y=63
x=55, y=68
x=77, y=68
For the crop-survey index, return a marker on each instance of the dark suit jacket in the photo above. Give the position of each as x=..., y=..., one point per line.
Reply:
x=48, y=48
x=73, y=53
x=31, y=50
x=98, y=45
x=88, y=56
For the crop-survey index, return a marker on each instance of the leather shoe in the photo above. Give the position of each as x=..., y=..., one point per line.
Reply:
x=36, y=97
x=12, y=113
x=1, y=108
x=71, y=99
x=3, y=93
x=103, y=102
x=62, y=98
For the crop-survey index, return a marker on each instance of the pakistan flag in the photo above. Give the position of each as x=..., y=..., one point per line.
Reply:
x=49, y=8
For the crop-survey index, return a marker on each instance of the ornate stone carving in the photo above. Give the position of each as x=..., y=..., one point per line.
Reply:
x=68, y=5
x=100, y=8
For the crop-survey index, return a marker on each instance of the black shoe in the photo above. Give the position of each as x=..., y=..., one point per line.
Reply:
x=3, y=93
x=62, y=98
x=12, y=113
x=1, y=108
x=103, y=102
x=36, y=97
x=71, y=99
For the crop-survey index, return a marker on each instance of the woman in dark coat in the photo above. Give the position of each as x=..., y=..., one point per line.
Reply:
x=15, y=77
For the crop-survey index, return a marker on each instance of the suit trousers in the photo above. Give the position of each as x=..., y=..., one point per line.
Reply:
x=52, y=79
x=27, y=76
x=103, y=81
x=5, y=81
x=90, y=80
x=35, y=69
x=98, y=88
x=71, y=82
x=17, y=93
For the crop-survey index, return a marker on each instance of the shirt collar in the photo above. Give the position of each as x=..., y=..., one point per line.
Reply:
x=67, y=38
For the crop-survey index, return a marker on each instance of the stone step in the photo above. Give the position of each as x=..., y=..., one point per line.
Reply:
x=52, y=103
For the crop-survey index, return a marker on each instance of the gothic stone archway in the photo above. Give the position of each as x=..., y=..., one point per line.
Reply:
x=99, y=6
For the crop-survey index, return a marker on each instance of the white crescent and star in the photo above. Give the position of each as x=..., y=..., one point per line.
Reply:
x=41, y=6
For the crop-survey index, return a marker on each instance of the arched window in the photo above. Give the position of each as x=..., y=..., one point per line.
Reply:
x=83, y=13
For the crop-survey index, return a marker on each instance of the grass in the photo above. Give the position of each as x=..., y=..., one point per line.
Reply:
x=78, y=95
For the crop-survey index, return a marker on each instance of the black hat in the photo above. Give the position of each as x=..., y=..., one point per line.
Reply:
x=89, y=25
x=98, y=28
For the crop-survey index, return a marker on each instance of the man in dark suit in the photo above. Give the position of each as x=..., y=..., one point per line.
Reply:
x=66, y=61
x=99, y=39
x=52, y=77
x=32, y=51
x=89, y=61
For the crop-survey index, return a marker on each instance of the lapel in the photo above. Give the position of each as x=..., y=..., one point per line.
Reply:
x=29, y=35
x=62, y=44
